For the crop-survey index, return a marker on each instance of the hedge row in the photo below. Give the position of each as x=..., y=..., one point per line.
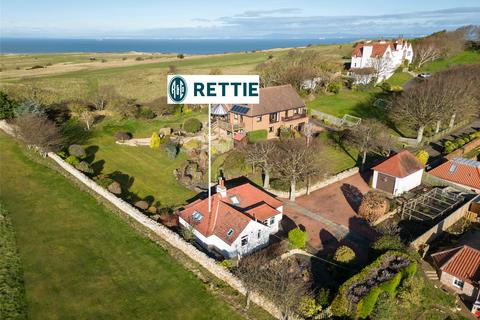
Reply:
x=451, y=145
x=343, y=306
x=12, y=294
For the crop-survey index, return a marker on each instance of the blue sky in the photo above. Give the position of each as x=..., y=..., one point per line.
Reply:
x=232, y=19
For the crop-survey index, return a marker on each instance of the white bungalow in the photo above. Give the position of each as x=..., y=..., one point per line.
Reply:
x=241, y=220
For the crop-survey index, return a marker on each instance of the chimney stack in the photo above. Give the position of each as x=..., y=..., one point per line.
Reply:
x=221, y=188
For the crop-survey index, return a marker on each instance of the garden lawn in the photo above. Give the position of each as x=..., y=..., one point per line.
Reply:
x=399, y=78
x=80, y=261
x=151, y=170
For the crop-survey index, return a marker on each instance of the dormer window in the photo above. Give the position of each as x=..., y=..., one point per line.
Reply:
x=234, y=200
x=197, y=216
x=229, y=232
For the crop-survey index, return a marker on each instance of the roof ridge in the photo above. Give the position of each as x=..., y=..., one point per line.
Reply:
x=463, y=247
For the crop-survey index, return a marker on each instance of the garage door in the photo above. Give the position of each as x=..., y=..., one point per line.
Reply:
x=385, y=183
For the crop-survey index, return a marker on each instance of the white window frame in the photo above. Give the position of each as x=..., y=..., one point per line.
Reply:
x=454, y=282
x=235, y=116
x=259, y=119
x=272, y=221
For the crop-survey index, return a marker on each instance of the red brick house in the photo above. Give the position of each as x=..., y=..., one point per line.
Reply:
x=459, y=171
x=279, y=106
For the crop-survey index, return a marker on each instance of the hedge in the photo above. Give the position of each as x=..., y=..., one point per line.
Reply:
x=192, y=125
x=257, y=135
x=342, y=306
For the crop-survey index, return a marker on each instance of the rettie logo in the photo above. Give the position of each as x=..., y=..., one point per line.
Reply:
x=177, y=89
x=203, y=89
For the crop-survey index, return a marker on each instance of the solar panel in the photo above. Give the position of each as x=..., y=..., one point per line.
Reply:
x=453, y=168
x=240, y=109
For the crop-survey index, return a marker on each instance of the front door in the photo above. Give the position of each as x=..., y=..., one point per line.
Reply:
x=385, y=183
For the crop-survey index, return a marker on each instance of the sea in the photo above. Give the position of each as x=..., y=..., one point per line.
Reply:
x=185, y=46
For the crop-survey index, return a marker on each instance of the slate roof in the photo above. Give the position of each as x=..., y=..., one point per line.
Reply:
x=461, y=262
x=400, y=165
x=273, y=99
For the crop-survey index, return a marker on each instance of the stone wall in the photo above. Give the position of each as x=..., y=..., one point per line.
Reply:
x=321, y=184
x=443, y=225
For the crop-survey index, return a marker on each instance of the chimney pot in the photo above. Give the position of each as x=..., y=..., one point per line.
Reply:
x=221, y=188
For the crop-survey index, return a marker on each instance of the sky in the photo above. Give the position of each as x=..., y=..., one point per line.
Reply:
x=231, y=19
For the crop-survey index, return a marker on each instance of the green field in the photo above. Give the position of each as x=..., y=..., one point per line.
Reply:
x=465, y=57
x=399, y=78
x=81, y=261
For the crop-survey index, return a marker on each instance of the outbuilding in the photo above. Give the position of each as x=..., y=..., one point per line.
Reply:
x=398, y=174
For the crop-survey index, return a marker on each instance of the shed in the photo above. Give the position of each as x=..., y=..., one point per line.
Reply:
x=398, y=174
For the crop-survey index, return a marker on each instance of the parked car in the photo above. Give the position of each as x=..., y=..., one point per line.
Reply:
x=424, y=75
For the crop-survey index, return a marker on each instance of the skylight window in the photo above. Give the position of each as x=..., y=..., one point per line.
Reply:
x=197, y=216
x=235, y=200
x=229, y=232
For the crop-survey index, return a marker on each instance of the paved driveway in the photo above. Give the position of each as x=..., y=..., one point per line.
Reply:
x=329, y=214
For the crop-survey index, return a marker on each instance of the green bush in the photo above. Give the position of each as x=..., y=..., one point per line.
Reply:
x=308, y=307
x=344, y=254
x=7, y=106
x=334, y=88
x=84, y=167
x=410, y=270
x=77, y=151
x=146, y=113
x=171, y=149
x=12, y=293
x=388, y=242
x=297, y=238
x=257, y=135
x=391, y=285
x=323, y=297
x=72, y=160
x=367, y=304
x=235, y=165
x=192, y=125
x=386, y=86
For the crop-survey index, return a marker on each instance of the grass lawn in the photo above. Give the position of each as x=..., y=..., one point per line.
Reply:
x=465, y=57
x=355, y=103
x=151, y=170
x=336, y=157
x=399, y=78
x=81, y=261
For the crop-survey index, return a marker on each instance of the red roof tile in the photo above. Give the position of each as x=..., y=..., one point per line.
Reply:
x=253, y=204
x=400, y=165
x=462, y=263
x=459, y=171
x=378, y=49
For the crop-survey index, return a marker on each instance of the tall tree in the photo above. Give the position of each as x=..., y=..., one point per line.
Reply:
x=369, y=136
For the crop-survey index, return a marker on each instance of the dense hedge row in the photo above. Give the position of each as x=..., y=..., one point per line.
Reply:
x=12, y=295
x=358, y=295
x=451, y=145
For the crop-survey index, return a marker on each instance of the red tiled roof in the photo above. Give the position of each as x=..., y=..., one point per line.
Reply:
x=459, y=172
x=378, y=49
x=254, y=204
x=400, y=165
x=462, y=263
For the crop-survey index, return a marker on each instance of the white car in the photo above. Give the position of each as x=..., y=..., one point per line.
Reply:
x=424, y=75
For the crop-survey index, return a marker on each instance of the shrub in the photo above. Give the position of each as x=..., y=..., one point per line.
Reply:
x=344, y=254
x=388, y=242
x=386, y=86
x=84, y=167
x=374, y=205
x=323, y=297
x=366, y=305
x=115, y=187
x=155, y=141
x=334, y=88
x=391, y=285
x=146, y=113
x=192, y=144
x=72, y=160
x=235, y=164
x=297, y=238
x=142, y=205
x=77, y=151
x=103, y=180
x=257, y=135
x=122, y=136
x=422, y=156
x=227, y=263
x=7, y=106
x=308, y=307
x=172, y=150
x=180, y=56
x=192, y=125
x=28, y=107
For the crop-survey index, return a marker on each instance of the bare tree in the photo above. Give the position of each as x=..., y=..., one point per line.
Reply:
x=100, y=95
x=426, y=51
x=250, y=269
x=261, y=154
x=39, y=132
x=369, y=136
x=83, y=113
x=294, y=160
x=381, y=68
